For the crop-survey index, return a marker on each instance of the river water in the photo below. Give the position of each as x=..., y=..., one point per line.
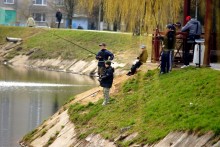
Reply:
x=28, y=97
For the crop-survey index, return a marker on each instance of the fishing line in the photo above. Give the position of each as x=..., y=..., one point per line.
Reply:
x=73, y=43
x=70, y=42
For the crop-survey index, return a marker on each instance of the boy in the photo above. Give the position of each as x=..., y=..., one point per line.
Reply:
x=169, y=44
x=106, y=81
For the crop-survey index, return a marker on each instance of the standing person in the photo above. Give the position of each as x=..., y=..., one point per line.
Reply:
x=102, y=56
x=194, y=28
x=142, y=58
x=59, y=17
x=169, y=40
x=106, y=81
x=30, y=22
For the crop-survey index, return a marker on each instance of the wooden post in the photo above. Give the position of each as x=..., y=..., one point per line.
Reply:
x=186, y=10
x=208, y=31
x=155, y=54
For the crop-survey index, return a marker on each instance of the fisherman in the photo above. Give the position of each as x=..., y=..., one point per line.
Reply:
x=102, y=56
x=59, y=17
x=142, y=58
x=169, y=40
x=30, y=22
x=194, y=28
x=106, y=81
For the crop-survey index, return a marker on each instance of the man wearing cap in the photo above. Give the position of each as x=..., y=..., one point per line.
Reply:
x=194, y=28
x=169, y=40
x=106, y=81
x=102, y=56
x=142, y=58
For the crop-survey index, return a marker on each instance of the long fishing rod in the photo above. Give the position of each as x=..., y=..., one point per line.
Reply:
x=74, y=44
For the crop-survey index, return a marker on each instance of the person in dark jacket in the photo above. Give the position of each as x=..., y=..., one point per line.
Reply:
x=194, y=28
x=106, y=81
x=59, y=17
x=169, y=40
x=142, y=58
x=102, y=56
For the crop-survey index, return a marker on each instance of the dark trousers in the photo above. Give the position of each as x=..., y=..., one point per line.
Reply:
x=135, y=66
x=101, y=70
x=190, y=45
x=59, y=23
x=166, y=61
x=186, y=57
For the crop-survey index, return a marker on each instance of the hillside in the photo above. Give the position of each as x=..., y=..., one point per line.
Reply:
x=144, y=108
x=155, y=105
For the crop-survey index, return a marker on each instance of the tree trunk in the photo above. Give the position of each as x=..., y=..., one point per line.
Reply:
x=208, y=31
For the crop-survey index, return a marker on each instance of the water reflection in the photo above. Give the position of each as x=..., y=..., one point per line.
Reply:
x=22, y=108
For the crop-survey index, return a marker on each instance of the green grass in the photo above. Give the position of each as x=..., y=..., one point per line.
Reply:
x=154, y=105
x=52, y=46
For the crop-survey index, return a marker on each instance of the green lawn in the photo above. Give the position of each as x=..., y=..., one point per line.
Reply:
x=52, y=46
x=154, y=105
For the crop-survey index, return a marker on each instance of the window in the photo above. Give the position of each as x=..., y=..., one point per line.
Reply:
x=40, y=17
x=8, y=1
x=40, y=2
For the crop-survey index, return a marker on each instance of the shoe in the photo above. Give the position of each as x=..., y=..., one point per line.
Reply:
x=184, y=66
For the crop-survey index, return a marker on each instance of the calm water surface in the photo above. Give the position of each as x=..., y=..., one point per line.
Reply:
x=28, y=97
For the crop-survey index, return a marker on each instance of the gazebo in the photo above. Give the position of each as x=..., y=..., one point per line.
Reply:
x=212, y=12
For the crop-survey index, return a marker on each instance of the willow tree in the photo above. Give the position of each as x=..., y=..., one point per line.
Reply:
x=142, y=14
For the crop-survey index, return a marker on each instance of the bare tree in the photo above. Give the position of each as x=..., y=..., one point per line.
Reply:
x=69, y=6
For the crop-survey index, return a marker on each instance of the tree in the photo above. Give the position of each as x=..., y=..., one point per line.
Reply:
x=69, y=6
x=140, y=14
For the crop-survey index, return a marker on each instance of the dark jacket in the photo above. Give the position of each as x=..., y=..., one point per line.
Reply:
x=106, y=79
x=193, y=26
x=59, y=16
x=105, y=55
x=169, y=41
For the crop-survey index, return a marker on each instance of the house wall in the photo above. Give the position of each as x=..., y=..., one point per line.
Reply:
x=7, y=13
x=26, y=8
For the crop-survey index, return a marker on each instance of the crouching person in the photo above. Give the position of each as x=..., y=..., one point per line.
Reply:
x=106, y=81
x=142, y=58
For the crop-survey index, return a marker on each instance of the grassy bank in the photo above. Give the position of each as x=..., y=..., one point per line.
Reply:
x=50, y=46
x=154, y=105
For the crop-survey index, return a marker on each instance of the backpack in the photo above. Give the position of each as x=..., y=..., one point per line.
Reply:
x=171, y=39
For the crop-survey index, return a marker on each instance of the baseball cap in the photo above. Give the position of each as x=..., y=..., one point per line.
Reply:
x=170, y=26
x=108, y=62
x=177, y=24
x=143, y=46
x=188, y=18
x=102, y=44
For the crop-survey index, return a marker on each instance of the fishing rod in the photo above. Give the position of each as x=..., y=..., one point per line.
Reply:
x=75, y=44
x=72, y=42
